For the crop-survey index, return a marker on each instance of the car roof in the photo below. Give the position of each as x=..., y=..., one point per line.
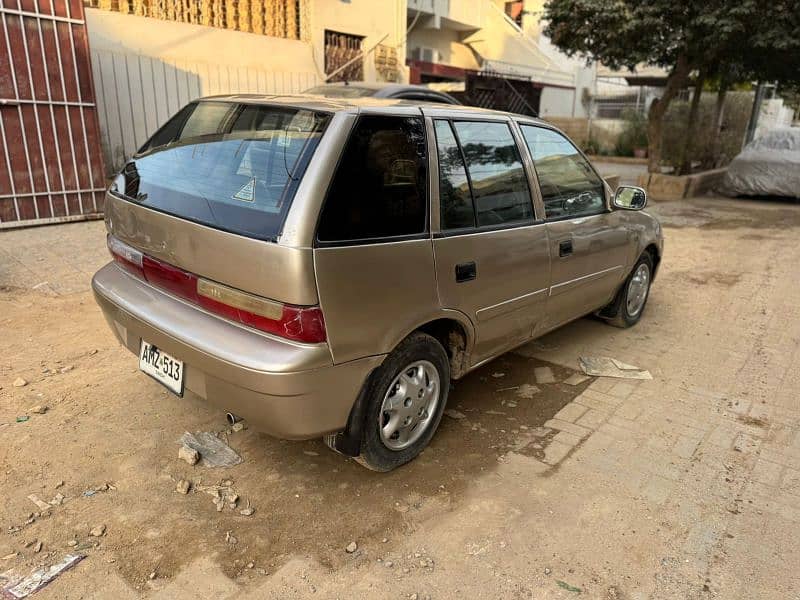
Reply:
x=382, y=89
x=355, y=105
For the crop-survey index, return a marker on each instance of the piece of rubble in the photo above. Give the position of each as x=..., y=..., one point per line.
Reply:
x=40, y=577
x=454, y=414
x=230, y=538
x=66, y=369
x=602, y=366
x=239, y=426
x=247, y=511
x=38, y=547
x=19, y=382
x=351, y=547
x=213, y=451
x=544, y=375
x=43, y=506
x=527, y=391
x=38, y=409
x=98, y=531
x=190, y=455
x=72, y=543
x=57, y=500
x=182, y=487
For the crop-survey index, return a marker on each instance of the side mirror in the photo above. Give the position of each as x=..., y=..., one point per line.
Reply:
x=630, y=197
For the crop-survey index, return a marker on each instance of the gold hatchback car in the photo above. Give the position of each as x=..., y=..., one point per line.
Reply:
x=324, y=267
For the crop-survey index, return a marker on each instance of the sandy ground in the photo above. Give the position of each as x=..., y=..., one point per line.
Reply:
x=687, y=486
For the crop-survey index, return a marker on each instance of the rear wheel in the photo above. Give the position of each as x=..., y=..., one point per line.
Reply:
x=405, y=403
x=629, y=303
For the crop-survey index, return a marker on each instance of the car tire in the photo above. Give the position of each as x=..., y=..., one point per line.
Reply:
x=628, y=305
x=411, y=386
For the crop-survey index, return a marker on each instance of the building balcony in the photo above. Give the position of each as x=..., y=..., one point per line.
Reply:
x=457, y=15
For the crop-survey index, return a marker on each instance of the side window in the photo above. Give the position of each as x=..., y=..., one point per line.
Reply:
x=379, y=187
x=455, y=200
x=569, y=185
x=499, y=185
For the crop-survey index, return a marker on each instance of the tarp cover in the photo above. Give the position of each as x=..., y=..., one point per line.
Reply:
x=768, y=166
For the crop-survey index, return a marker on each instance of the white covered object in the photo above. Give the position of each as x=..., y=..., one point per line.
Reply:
x=768, y=166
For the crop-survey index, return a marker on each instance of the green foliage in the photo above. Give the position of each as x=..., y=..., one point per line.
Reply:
x=736, y=115
x=634, y=133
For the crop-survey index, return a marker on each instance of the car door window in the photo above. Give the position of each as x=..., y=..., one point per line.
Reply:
x=379, y=189
x=499, y=185
x=569, y=185
x=455, y=199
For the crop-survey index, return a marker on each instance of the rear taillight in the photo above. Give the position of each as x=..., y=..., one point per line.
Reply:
x=128, y=258
x=299, y=323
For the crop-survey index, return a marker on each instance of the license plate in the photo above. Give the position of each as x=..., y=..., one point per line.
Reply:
x=162, y=367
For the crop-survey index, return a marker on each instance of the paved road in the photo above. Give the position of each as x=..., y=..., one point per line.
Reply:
x=686, y=486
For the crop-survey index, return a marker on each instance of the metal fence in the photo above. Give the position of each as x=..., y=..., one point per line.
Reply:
x=50, y=169
x=136, y=94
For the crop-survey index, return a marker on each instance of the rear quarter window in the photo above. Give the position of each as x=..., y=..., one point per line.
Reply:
x=379, y=189
x=230, y=166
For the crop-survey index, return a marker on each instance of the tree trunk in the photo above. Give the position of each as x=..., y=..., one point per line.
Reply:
x=719, y=117
x=694, y=109
x=658, y=108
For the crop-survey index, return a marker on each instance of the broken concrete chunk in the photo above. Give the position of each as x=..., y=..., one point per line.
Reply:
x=38, y=409
x=19, y=382
x=98, y=531
x=351, y=547
x=183, y=486
x=527, y=391
x=247, y=511
x=213, y=451
x=239, y=426
x=544, y=375
x=190, y=455
x=601, y=366
x=43, y=506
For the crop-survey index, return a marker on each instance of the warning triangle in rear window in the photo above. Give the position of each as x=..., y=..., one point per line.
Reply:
x=248, y=191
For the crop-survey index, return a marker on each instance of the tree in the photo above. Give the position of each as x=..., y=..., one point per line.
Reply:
x=681, y=37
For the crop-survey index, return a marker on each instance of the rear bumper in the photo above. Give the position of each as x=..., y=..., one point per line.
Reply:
x=286, y=389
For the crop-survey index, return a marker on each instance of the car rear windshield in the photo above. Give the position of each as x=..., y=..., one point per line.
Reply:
x=227, y=165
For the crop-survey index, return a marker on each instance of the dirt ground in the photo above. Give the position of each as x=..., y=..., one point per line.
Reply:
x=686, y=486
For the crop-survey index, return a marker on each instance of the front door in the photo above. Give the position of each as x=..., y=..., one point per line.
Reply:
x=492, y=256
x=588, y=242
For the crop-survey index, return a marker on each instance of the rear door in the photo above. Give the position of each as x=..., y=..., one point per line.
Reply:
x=588, y=242
x=373, y=257
x=492, y=260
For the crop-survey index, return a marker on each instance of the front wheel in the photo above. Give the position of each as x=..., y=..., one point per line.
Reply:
x=405, y=403
x=629, y=303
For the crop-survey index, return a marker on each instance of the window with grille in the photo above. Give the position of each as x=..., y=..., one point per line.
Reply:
x=344, y=60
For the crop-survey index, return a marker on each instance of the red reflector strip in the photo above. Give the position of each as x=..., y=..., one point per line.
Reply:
x=299, y=323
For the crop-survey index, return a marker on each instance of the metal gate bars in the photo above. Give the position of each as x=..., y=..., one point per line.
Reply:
x=51, y=168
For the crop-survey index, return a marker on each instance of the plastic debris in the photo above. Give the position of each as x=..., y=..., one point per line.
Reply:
x=213, y=451
x=601, y=366
x=17, y=588
x=23, y=418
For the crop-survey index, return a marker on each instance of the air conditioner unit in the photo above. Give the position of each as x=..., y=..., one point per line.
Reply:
x=425, y=54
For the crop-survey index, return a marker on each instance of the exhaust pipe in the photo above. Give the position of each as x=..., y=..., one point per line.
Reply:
x=232, y=418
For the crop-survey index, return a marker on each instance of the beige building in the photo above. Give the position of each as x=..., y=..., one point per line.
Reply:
x=493, y=46
x=150, y=58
